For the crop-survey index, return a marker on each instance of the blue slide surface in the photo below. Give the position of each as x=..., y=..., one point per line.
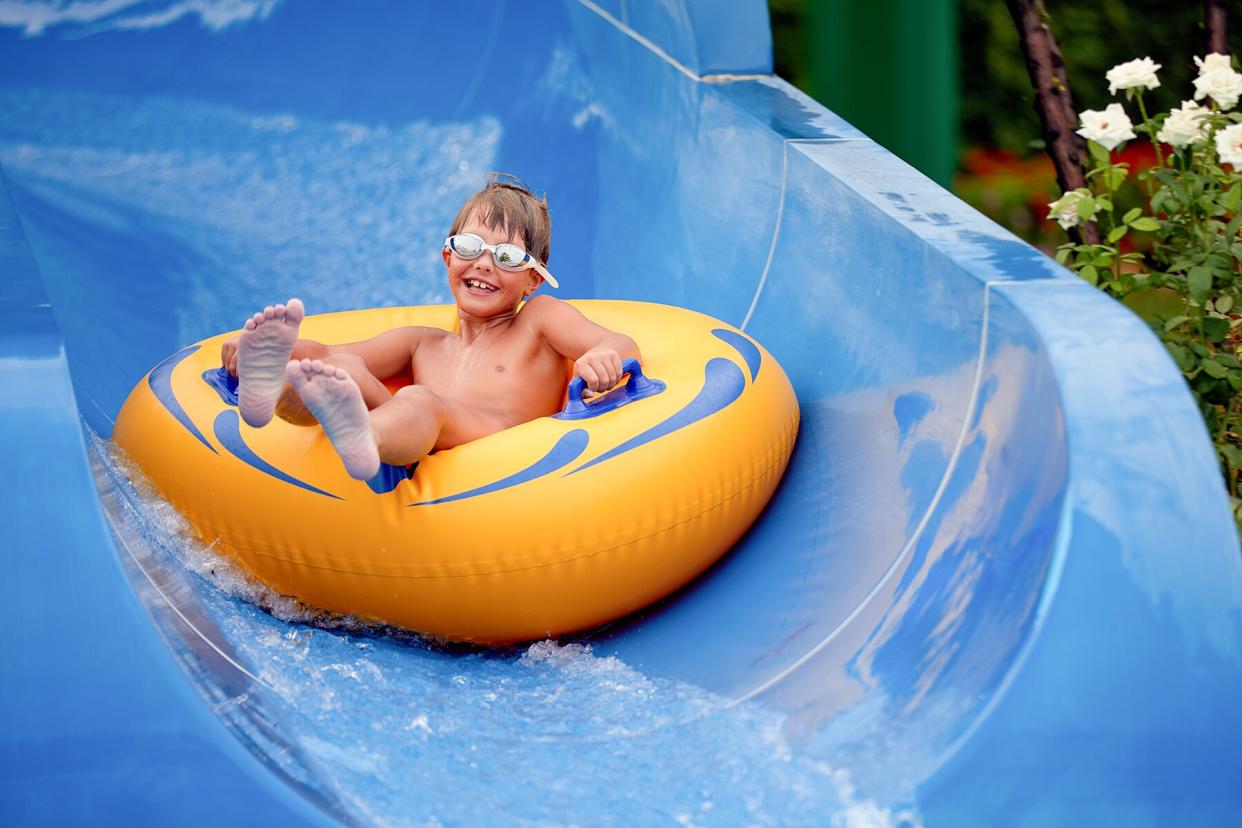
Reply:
x=999, y=584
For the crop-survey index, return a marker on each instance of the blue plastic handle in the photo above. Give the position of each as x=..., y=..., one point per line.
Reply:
x=223, y=382
x=637, y=387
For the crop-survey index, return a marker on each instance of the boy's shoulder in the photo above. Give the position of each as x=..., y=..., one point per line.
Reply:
x=541, y=302
x=538, y=307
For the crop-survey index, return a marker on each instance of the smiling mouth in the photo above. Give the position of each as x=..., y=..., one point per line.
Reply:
x=479, y=287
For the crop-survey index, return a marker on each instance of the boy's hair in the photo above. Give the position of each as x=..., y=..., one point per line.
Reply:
x=506, y=203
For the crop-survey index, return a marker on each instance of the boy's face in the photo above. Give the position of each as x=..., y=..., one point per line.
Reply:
x=478, y=285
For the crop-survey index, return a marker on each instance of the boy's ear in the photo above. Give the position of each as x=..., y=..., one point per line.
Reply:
x=444, y=253
x=535, y=281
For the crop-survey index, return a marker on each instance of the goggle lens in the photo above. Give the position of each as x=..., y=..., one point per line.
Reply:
x=510, y=256
x=467, y=246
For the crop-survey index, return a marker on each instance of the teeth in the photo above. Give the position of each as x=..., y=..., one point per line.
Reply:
x=477, y=285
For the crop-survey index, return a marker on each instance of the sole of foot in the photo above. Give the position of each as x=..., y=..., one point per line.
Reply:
x=336, y=401
x=263, y=349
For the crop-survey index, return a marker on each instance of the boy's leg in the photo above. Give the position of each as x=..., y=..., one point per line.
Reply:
x=416, y=420
x=290, y=408
x=400, y=431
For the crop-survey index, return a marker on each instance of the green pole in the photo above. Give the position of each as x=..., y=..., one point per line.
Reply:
x=889, y=67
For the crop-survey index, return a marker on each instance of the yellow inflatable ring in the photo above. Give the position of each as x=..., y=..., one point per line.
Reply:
x=550, y=527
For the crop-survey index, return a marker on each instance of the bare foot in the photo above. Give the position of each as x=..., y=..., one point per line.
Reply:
x=263, y=349
x=335, y=400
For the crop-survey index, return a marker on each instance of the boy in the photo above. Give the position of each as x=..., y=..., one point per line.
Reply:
x=504, y=366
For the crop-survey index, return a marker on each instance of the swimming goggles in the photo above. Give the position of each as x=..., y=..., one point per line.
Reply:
x=506, y=256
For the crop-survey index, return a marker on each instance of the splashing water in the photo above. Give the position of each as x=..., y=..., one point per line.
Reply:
x=395, y=731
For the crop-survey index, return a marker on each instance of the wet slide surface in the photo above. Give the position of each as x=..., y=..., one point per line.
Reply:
x=999, y=578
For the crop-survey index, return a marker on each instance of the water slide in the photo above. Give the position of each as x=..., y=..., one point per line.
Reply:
x=998, y=585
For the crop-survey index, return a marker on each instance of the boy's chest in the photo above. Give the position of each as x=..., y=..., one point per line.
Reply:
x=486, y=369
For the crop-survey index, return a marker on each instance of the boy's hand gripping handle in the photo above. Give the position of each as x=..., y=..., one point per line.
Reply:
x=637, y=387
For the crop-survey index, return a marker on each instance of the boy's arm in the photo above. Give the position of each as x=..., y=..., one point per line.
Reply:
x=596, y=351
x=384, y=355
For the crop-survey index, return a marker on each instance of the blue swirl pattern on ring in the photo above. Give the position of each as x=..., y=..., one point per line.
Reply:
x=228, y=432
x=160, y=381
x=566, y=450
x=749, y=350
x=723, y=383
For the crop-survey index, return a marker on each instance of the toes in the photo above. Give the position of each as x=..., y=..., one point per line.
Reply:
x=293, y=373
x=269, y=312
x=294, y=311
x=278, y=312
x=250, y=324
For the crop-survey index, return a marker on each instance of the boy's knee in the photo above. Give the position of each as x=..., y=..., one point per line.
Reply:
x=424, y=400
x=417, y=394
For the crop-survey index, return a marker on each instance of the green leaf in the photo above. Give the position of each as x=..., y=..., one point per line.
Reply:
x=1213, y=369
x=1227, y=360
x=1174, y=322
x=1145, y=224
x=1090, y=274
x=1232, y=198
x=1098, y=152
x=1116, y=233
x=1216, y=328
x=1062, y=256
x=1224, y=303
x=1199, y=282
x=1184, y=360
x=1231, y=231
x=1231, y=454
x=1132, y=214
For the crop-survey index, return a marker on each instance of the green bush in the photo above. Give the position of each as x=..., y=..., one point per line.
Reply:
x=1187, y=280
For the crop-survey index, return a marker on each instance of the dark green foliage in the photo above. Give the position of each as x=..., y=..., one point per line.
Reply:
x=996, y=92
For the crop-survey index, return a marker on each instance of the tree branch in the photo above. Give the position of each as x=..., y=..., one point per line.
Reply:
x=1053, y=102
x=1214, y=23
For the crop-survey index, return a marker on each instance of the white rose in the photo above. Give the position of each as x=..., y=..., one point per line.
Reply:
x=1108, y=128
x=1229, y=145
x=1221, y=84
x=1065, y=209
x=1185, y=125
x=1135, y=74
x=1213, y=61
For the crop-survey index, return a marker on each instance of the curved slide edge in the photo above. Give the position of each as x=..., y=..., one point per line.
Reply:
x=1123, y=696
x=181, y=765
